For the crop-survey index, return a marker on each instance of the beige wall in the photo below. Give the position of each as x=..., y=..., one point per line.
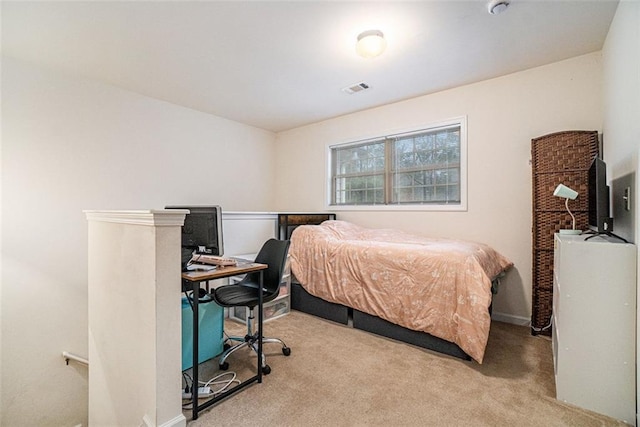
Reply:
x=70, y=145
x=503, y=115
x=621, y=82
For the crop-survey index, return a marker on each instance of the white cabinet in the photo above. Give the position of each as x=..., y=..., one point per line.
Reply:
x=594, y=319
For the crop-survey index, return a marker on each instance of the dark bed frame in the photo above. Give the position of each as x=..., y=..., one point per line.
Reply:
x=302, y=300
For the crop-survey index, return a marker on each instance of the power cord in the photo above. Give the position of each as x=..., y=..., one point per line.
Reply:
x=544, y=328
x=186, y=394
x=225, y=383
x=205, y=390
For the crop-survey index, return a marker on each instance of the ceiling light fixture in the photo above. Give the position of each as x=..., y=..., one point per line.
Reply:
x=496, y=7
x=371, y=43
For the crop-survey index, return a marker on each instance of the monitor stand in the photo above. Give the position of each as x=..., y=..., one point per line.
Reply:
x=600, y=233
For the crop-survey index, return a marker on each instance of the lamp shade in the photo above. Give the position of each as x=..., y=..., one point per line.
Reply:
x=565, y=192
x=371, y=43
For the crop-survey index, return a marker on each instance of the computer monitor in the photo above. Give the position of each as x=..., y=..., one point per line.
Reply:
x=201, y=232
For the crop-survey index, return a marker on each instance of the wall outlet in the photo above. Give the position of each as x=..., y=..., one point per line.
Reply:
x=626, y=197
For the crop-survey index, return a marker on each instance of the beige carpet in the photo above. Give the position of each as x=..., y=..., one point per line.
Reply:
x=339, y=376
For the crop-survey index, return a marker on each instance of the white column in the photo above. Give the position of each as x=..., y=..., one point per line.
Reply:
x=135, y=318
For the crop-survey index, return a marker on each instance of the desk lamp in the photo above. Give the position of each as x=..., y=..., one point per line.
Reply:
x=567, y=193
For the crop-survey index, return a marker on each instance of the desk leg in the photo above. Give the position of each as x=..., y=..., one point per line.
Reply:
x=257, y=377
x=260, y=327
x=194, y=372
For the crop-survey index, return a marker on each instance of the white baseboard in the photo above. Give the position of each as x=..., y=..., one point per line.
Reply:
x=177, y=421
x=510, y=318
x=146, y=421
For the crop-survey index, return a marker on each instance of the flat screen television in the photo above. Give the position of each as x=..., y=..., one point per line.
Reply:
x=201, y=232
x=599, y=217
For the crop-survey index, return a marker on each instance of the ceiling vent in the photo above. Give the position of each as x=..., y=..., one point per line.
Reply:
x=358, y=87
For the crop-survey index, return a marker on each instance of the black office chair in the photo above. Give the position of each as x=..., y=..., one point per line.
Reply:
x=245, y=294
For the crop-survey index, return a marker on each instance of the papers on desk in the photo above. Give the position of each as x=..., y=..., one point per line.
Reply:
x=212, y=260
x=200, y=267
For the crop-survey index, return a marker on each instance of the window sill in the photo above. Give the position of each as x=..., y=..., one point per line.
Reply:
x=427, y=208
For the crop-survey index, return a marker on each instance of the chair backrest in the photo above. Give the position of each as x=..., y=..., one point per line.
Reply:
x=274, y=254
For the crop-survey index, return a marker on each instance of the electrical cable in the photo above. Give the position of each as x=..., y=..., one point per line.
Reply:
x=226, y=383
x=187, y=389
x=213, y=381
x=544, y=328
x=192, y=260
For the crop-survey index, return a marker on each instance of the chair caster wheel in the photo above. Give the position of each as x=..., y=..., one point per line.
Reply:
x=226, y=346
x=224, y=366
x=266, y=370
x=286, y=351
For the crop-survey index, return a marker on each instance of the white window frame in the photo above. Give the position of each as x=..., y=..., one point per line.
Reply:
x=462, y=206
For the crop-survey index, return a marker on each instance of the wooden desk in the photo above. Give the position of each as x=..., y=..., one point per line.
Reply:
x=195, y=278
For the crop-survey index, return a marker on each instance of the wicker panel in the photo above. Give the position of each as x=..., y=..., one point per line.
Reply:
x=557, y=158
x=546, y=224
x=545, y=183
x=543, y=272
x=562, y=151
x=542, y=291
x=541, y=318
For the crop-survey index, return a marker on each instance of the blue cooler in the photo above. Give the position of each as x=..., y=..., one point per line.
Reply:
x=211, y=340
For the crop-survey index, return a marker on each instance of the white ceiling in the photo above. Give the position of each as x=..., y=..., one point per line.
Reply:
x=280, y=65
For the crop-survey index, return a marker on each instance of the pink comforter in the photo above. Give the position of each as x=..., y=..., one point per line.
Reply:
x=438, y=286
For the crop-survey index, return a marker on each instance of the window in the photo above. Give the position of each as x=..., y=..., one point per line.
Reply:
x=423, y=168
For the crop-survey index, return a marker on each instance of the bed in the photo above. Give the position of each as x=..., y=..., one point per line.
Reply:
x=430, y=292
